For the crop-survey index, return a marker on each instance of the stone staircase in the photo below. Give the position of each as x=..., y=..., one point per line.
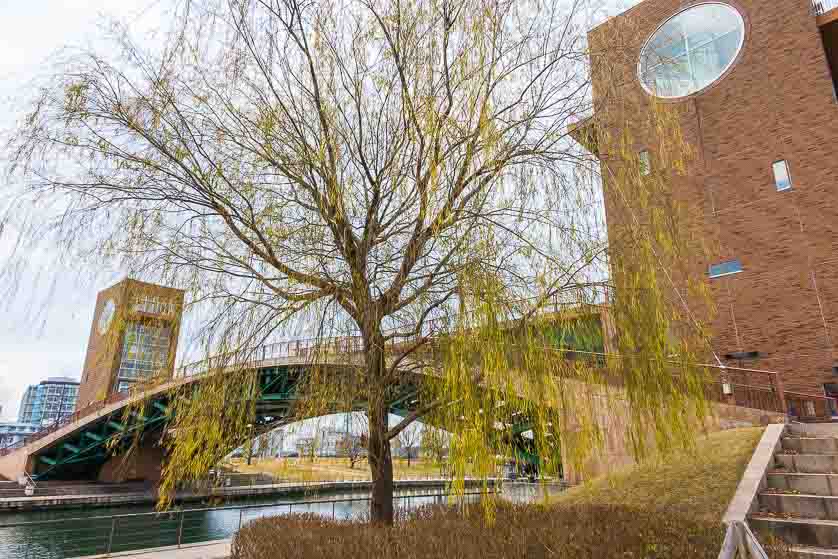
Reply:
x=800, y=501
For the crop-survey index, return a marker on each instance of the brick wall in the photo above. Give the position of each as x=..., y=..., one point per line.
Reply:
x=775, y=102
x=104, y=350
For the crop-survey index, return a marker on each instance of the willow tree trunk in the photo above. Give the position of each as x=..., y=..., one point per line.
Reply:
x=381, y=467
x=378, y=446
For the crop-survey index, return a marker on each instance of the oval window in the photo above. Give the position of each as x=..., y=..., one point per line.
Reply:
x=691, y=50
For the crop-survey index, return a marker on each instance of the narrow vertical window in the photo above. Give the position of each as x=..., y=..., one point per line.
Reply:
x=645, y=162
x=782, y=177
x=829, y=36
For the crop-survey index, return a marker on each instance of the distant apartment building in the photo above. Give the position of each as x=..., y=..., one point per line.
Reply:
x=754, y=84
x=13, y=432
x=49, y=401
x=133, y=337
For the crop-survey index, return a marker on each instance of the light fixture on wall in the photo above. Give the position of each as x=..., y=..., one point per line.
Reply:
x=741, y=356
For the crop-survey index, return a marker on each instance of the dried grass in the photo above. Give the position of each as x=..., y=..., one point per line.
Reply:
x=668, y=509
x=518, y=531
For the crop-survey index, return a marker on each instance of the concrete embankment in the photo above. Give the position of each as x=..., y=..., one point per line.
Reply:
x=19, y=504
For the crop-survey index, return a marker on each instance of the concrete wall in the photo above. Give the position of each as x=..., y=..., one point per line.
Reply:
x=612, y=415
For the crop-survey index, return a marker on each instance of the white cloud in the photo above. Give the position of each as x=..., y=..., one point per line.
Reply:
x=46, y=336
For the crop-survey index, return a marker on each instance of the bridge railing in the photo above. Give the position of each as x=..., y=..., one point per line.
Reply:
x=396, y=335
x=764, y=390
x=751, y=388
x=740, y=386
x=66, y=420
x=587, y=296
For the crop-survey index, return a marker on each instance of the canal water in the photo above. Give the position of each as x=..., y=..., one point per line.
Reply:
x=62, y=534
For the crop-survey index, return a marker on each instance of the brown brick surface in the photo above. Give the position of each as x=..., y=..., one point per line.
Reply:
x=104, y=351
x=776, y=102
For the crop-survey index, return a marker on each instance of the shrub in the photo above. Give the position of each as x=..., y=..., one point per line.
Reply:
x=518, y=531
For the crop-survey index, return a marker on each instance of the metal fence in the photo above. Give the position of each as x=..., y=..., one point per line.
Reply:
x=820, y=7
x=93, y=535
x=223, y=485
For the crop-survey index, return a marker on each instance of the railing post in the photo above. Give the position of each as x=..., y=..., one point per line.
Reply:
x=777, y=383
x=180, y=529
x=110, y=538
x=241, y=513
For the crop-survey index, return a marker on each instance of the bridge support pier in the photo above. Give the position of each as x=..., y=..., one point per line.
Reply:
x=145, y=463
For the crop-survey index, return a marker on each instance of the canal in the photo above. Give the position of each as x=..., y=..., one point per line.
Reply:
x=61, y=534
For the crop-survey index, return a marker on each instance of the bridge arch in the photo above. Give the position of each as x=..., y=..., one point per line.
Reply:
x=94, y=446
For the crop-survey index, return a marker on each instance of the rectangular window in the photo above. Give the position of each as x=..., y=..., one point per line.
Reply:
x=725, y=268
x=645, y=162
x=782, y=178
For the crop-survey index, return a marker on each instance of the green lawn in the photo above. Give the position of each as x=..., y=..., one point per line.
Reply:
x=328, y=469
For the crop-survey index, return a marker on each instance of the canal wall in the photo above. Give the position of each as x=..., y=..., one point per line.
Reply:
x=21, y=504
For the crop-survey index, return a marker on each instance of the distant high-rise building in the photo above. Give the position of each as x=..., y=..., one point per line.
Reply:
x=133, y=337
x=12, y=432
x=50, y=401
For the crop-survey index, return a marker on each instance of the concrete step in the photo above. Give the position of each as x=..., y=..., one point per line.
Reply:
x=808, y=484
x=813, y=429
x=808, y=552
x=811, y=445
x=822, y=507
x=799, y=531
x=807, y=463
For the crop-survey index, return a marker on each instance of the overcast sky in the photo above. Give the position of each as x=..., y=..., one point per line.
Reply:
x=38, y=340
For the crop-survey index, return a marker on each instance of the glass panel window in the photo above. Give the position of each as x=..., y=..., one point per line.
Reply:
x=782, y=177
x=725, y=268
x=145, y=351
x=645, y=162
x=691, y=50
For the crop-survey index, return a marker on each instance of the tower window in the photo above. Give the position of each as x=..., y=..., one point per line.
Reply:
x=645, y=162
x=725, y=268
x=782, y=177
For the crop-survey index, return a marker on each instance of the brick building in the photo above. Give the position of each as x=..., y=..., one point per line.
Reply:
x=754, y=84
x=134, y=336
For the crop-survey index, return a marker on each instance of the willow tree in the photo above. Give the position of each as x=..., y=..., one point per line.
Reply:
x=397, y=172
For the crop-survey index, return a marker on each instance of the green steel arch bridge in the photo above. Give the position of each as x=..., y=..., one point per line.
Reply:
x=81, y=445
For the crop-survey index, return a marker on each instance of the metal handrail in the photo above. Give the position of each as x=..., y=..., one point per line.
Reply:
x=113, y=532
x=820, y=7
x=347, y=345
x=236, y=507
x=308, y=346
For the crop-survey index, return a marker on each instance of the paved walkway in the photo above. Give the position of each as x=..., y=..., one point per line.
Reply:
x=206, y=550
